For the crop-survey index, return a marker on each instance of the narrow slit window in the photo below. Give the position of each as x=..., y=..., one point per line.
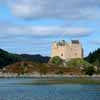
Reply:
x=62, y=54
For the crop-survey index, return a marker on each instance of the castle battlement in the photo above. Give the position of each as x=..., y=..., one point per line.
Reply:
x=66, y=50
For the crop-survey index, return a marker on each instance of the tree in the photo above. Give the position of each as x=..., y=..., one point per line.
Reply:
x=43, y=69
x=97, y=66
x=97, y=63
x=92, y=57
x=89, y=70
x=56, y=60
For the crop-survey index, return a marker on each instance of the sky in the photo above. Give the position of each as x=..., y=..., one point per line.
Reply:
x=30, y=26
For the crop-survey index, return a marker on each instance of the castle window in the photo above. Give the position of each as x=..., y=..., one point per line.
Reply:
x=62, y=54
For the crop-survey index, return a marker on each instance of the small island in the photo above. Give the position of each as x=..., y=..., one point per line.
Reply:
x=55, y=69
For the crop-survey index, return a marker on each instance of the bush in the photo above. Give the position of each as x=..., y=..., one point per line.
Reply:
x=77, y=63
x=60, y=72
x=56, y=60
x=89, y=70
x=43, y=69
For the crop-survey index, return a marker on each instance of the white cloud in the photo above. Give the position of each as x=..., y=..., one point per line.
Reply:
x=63, y=9
x=17, y=30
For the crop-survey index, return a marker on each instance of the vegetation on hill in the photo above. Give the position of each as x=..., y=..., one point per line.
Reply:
x=94, y=58
x=83, y=65
x=56, y=60
x=40, y=68
x=35, y=58
x=7, y=58
x=72, y=67
x=78, y=63
x=44, y=65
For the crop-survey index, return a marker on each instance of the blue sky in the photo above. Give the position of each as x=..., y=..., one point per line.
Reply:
x=30, y=26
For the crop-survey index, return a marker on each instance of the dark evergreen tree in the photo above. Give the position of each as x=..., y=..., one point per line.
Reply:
x=94, y=57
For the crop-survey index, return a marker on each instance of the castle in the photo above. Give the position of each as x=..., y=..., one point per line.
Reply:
x=67, y=51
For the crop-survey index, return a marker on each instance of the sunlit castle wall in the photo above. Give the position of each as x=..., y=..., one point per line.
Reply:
x=66, y=50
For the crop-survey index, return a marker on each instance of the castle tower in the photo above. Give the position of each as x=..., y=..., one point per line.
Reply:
x=66, y=50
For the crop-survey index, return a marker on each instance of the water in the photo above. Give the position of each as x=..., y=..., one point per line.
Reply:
x=11, y=90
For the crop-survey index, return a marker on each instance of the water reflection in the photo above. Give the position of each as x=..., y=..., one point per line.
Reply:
x=10, y=90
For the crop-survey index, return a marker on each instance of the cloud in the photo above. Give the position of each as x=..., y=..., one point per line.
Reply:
x=95, y=42
x=10, y=30
x=59, y=9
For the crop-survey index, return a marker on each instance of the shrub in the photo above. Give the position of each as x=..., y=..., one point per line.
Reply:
x=56, y=60
x=77, y=63
x=89, y=70
x=60, y=72
x=43, y=69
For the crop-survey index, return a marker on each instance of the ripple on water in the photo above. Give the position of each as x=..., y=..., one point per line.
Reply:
x=9, y=91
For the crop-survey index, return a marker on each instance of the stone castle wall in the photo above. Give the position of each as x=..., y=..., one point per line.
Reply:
x=67, y=51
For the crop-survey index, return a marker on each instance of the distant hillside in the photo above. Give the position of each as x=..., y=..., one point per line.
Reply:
x=7, y=58
x=35, y=58
x=94, y=57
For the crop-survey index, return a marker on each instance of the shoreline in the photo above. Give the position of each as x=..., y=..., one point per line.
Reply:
x=56, y=79
x=7, y=75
